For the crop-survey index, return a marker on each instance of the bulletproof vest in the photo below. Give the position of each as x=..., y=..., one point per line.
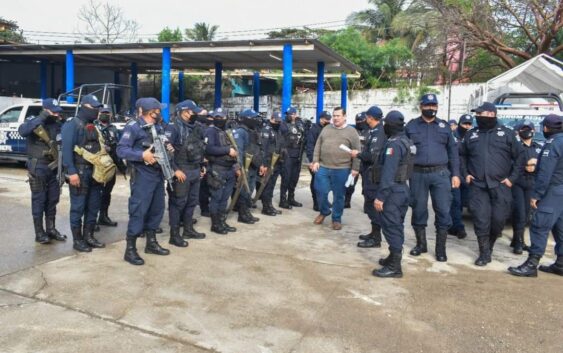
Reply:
x=37, y=148
x=191, y=140
x=110, y=134
x=87, y=138
x=255, y=148
x=406, y=165
x=224, y=160
x=295, y=135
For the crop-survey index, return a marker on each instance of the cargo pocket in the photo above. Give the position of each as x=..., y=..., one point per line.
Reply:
x=134, y=205
x=543, y=218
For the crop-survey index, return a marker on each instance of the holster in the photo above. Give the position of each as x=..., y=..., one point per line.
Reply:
x=36, y=184
x=214, y=180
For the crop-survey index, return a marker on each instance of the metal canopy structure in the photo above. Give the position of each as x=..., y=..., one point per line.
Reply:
x=288, y=55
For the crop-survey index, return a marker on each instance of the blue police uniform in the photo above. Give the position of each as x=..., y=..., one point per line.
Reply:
x=272, y=143
x=293, y=133
x=85, y=200
x=42, y=171
x=548, y=192
x=436, y=162
x=363, y=132
x=312, y=137
x=220, y=176
x=521, y=194
x=395, y=162
x=187, y=138
x=490, y=155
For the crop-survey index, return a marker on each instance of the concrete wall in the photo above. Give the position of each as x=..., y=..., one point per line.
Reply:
x=359, y=101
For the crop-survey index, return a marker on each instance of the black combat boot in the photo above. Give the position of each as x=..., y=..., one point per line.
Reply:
x=268, y=209
x=216, y=224
x=556, y=268
x=205, y=213
x=40, y=236
x=420, y=246
x=52, y=231
x=249, y=214
x=152, y=246
x=384, y=261
x=484, y=251
x=292, y=202
x=528, y=269
x=78, y=243
x=190, y=232
x=315, y=203
x=284, y=203
x=223, y=219
x=392, y=269
x=88, y=233
x=244, y=215
x=518, y=241
x=176, y=239
x=131, y=254
x=371, y=240
x=441, y=237
x=104, y=220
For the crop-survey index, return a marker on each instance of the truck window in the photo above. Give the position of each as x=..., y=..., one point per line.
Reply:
x=32, y=111
x=11, y=115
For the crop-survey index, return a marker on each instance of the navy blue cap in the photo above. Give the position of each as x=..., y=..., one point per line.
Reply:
x=277, y=116
x=553, y=121
x=325, y=114
x=526, y=124
x=291, y=110
x=375, y=112
x=485, y=107
x=248, y=113
x=218, y=113
x=466, y=119
x=429, y=99
x=452, y=121
x=189, y=104
x=150, y=103
x=91, y=100
x=361, y=117
x=105, y=110
x=138, y=102
x=394, y=117
x=52, y=105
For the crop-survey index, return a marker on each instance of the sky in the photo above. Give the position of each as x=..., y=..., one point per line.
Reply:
x=58, y=16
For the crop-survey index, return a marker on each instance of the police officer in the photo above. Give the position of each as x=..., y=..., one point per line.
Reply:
x=363, y=131
x=42, y=168
x=392, y=198
x=85, y=192
x=460, y=195
x=204, y=194
x=223, y=168
x=524, y=185
x=111, y=138
x=436, y=172
x=293, y=132
x=146, y=203
x=248, y=139
x=490, y=166
x=546, y=200
x=312, y=136
x=369, y=157
x=187, y=137
x=272, y=143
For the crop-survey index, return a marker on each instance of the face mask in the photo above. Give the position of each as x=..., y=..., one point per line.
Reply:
x=275, y=127
x=392, y=129
x=548, y=134
x=485, y=123
x=526, y=134
x=89, y=113
x=429, y=113
x=461, y=130
x=220, y=123
x=157, y=117
x=104, y=118
x=361, y=125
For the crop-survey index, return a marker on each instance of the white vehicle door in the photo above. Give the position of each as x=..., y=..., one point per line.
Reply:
x=10, y=139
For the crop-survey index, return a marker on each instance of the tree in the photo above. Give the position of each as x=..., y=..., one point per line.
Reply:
x=297, y=33
x=512, y=30
x=105, y=23
x=10, y=32
x=202, y=32
x=169, y=35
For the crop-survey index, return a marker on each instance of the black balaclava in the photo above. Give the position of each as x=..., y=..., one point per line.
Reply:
x=220, y=123
x=90, y=114
x=393, y=128
x=486, y=123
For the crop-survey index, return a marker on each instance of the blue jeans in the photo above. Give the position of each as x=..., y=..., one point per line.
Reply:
x=327, y=180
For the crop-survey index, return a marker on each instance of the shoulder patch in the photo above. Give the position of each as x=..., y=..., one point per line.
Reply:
x=126, y=135
x=389, y=151
x=131, y=122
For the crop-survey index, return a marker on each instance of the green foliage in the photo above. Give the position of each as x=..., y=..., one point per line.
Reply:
x=10, y=32
x=406, y=94
x=378, y=63
x=170, y=35
x=202, y=31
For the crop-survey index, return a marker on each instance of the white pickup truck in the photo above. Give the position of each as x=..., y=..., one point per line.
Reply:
x=12, y=145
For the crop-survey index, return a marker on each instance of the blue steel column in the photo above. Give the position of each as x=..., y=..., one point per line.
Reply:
x=165, y=85
x=43, y=79
x=287, y=72
x=133, y=83
x=180, y=86
x=256, y=90
x=218, y=80
x=344, y=90
x=117, y=92
x=320, y=88
x=69, y=74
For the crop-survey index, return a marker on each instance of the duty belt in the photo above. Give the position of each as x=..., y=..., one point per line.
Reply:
x=190, y=166
x=429, y=169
